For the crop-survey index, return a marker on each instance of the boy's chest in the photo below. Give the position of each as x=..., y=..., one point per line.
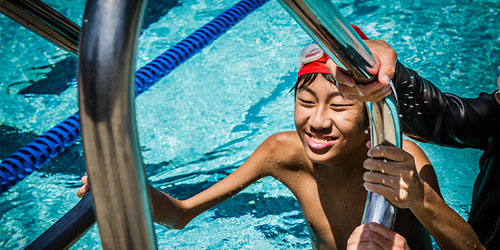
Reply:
x=332, y=211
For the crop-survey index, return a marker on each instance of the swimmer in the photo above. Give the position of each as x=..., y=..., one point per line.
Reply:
x=324, y=164
x=429, y=115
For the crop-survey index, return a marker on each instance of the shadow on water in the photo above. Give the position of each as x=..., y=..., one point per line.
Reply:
x=11, y=139
x=70, y=161
x=60, y=77
x=63, y=73
x=252, y=116
x=177, y=189
x=360, y=9
x=255, y=204
x=275, y=232
x=259, y=206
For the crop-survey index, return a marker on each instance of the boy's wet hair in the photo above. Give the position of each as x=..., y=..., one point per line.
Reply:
x=305, y=80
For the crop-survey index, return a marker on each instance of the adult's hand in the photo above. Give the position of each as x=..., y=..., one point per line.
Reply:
x=376, y=236
x=384, y=68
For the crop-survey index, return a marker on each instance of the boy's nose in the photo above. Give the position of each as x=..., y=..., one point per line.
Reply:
x=319, y=120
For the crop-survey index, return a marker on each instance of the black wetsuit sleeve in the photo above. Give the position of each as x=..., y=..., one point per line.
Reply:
x=433, y=116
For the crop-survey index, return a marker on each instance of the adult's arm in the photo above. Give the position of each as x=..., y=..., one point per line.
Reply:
x=433, y=116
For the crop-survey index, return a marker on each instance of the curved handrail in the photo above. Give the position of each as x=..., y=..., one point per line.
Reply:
x=68, y=229
x=106, y=94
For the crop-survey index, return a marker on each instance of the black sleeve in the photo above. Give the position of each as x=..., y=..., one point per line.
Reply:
x=429, y=115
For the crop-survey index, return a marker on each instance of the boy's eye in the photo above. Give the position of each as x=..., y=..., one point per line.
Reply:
x=337, y=105
x=305, y=101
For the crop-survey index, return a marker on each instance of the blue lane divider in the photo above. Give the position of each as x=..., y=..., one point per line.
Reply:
x=30, y=157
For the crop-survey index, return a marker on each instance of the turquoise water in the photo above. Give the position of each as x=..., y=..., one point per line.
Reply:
x=204, y=119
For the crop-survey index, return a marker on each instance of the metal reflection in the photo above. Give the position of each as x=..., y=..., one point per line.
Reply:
x=107, y=110
x=44, y=21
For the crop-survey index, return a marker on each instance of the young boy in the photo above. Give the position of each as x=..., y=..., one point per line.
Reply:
x=323, y=164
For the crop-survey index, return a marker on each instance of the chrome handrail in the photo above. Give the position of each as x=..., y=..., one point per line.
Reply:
x=107, y=110
x=44, y=21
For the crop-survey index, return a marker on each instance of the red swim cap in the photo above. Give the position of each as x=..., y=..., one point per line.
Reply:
x=313, y=59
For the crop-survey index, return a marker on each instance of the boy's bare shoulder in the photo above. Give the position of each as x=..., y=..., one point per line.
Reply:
x=285, y=146
x=422, y=164
x=285, y=139
x=414, y=149
x=410, y=146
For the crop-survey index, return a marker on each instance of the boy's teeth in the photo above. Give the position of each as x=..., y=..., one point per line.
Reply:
x=318, y=140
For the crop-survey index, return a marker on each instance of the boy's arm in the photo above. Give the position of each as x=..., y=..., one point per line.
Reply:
x=407, y=180
x=448, y=228
x=169, y=211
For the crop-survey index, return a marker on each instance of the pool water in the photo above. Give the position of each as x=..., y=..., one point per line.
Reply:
x=205, y=118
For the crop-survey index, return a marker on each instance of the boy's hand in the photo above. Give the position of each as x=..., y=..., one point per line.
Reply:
x=393, y=175
x=375, y=236
x=384, y=68
x=84, y=188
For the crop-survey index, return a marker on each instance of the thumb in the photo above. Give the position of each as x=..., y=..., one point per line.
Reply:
x=388, y=67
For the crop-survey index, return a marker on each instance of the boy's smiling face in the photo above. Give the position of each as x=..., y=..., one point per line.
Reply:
x=329, y=125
